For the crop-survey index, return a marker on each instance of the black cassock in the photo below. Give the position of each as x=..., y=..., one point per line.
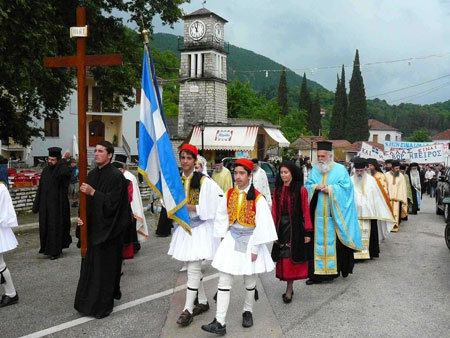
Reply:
x=52, y=203
x=107, y=218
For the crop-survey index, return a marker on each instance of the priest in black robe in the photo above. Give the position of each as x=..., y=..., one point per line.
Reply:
x=52, y=203
x=107, y=202
x=416, y=179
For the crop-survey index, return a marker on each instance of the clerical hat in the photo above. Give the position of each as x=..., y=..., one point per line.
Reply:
x=218, y=161
x=255, y=160
x=54, y=152
x=414, y=164
x=324, y=145
x=359, y=163
x=402, y=167
x=395, y=164
x=388, y=161
x=121, y=158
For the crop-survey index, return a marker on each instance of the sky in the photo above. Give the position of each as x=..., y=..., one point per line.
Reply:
x=306, y=35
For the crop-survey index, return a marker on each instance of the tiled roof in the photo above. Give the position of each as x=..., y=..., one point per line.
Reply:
x=203, y=12
x=250, y=122
x=445, y=135
x=377, y=125
x=355, y=147
x=304, y=142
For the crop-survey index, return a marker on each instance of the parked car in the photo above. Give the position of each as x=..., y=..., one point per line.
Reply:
x=443, y=195
x=270, y=170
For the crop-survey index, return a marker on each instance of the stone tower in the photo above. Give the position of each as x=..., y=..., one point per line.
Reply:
x=203, y=71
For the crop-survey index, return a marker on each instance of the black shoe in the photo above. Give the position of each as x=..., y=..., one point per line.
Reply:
x=54, y=257
x=7, y=300
x=117, y=295
x=200, y=308
x=247, y=319
x=345, y=274
x=215, y=327
x=185, y=318
x=286, y=299
x=312, y=281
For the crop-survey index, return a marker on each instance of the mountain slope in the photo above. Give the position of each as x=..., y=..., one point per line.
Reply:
x=241, y=59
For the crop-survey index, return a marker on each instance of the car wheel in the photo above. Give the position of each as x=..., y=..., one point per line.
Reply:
x=446, y=212
x=438, y=210
x=447, y=235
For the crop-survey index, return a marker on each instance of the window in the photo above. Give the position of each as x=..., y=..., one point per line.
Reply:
x=388, y=137
x=375, y=138
x=196, y=64
x=51, y=127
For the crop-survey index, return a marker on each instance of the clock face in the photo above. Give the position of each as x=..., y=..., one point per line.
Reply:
x=197, y=30
x=218, y=32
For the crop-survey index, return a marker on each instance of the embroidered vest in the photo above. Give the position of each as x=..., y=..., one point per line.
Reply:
x=193, y=194
x=245, y=212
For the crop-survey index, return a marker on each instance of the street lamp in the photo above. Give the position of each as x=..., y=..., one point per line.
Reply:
x=202, y=128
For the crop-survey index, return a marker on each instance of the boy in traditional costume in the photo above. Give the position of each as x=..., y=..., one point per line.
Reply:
x=194, y=243
x=245, y=224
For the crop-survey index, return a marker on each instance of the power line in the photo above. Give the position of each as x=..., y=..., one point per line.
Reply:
x=416, y=85
x=423, y=93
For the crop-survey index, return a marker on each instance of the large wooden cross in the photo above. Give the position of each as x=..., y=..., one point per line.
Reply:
x=80, y=61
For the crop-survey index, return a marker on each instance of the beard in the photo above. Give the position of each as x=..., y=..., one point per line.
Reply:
x=395, y=173
x=325, y=167
x=360, y=181
x=373, y=172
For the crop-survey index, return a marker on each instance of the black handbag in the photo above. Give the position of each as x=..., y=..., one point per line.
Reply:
x=275, y=252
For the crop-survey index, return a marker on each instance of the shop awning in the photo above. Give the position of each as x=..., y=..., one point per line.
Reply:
x=225, y=138
x=277, y=136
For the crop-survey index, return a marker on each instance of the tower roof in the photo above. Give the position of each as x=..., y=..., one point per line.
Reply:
x=202, y=12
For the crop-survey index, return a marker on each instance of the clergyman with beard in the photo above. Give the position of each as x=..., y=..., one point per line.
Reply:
x=397, y=193
x=416, y=180
x=374, y=213
x=337, y=235
x=52, y=203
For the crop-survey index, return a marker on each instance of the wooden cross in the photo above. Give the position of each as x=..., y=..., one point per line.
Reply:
x=80, y=61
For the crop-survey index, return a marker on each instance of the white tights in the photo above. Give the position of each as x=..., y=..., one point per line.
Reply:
x=223, y=294
x=9, y=286
x=194, y=285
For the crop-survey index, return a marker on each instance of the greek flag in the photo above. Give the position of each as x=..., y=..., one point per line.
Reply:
x=156, y=158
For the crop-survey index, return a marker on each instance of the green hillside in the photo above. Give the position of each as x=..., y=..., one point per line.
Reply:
x=406, y=117
x=241, y=59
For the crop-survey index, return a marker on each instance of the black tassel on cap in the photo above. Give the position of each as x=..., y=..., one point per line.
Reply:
x=251, y=192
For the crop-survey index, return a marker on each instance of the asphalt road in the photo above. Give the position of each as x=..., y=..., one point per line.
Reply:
x=404, y=293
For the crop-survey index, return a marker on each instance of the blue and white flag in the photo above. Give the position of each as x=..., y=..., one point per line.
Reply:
x=156, y=158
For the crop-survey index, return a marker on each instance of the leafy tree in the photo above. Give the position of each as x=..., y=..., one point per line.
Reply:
x=31, y=30
x=357, y=125
x=282, y=93
x=420, y=135
x=293, y=125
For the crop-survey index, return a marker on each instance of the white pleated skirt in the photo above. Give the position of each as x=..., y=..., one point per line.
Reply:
x=238, y=263
x=7, y=239
x=200, y=245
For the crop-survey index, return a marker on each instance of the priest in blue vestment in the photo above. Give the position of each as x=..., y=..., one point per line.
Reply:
x=333, y=211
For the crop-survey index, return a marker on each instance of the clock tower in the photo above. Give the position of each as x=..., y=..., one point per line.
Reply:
x=203, y=71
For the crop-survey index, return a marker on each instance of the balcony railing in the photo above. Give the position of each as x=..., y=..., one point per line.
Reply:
x=205, y=43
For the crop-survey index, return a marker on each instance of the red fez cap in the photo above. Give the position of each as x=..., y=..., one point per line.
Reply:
x=190, y=147
x=245, y=162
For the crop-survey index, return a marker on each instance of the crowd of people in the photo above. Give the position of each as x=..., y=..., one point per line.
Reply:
x=319, y=220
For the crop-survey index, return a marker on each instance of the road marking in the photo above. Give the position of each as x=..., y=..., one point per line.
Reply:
x=118, y=308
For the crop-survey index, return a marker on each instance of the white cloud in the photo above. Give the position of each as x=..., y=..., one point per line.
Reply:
x=308, y=34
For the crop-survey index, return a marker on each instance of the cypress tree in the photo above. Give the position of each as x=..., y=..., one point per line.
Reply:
x=305, y=100
x=357, y=124
x=282, y=93
x=314, y=116
x=337, y=118
x=344, y=102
